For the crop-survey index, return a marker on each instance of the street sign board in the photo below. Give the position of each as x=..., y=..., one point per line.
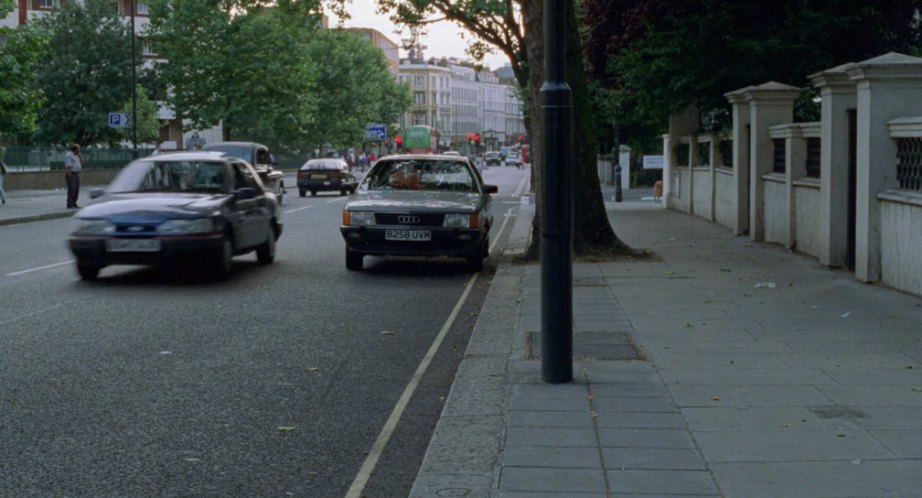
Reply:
x=375, y=132
x=119, y=119
x=653, y=162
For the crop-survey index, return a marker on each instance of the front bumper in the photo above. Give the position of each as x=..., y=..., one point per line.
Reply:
x=444, y=241
x=173, y=250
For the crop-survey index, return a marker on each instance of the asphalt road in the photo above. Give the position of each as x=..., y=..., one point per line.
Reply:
x=276, y=382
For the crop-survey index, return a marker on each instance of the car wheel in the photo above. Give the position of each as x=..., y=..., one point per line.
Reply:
x=343, y=191
x=313, y=193
x=475, y=261
x=88, y=271
x=354, y=260
x=221, y=266
x=265, y=252
x=302, y=192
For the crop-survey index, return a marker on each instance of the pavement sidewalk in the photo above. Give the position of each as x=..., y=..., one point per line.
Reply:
x=33, y=205
x=723, y=368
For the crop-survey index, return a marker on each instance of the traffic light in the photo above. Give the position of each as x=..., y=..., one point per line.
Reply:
x=477, y=139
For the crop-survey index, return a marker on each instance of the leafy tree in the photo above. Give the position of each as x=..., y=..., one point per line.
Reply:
x=515, y=28
x=84, y=73
x=148, y=124
x=353, y=87
x=20, y=51
x=661, y=56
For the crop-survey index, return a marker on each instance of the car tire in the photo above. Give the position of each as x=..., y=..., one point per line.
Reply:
x=354, y=260
x=221, y=266
x=88, y=271
x=313, y=193
x=343, y=191
x=265, y=252
x=475, y=261
x=302, y=192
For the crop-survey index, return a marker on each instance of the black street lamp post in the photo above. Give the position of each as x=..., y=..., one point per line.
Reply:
x=134, y=87
x=555, y=212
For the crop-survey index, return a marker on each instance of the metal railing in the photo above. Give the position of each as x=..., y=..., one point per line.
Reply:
x=48, y=157
x=779, y=165
x=813, y=157
x=909, y=163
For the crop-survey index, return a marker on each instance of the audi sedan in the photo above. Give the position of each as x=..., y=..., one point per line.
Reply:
x=200, y=208
x=419, y=205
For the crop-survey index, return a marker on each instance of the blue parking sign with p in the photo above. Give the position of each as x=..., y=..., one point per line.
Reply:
x=118, y=119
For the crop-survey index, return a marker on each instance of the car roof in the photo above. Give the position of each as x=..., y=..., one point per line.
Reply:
x=418, y=157
x=236, y=144
x=187, y=156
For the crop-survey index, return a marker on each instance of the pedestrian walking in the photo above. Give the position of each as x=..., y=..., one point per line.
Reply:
x=3, y=171
x=73, y=163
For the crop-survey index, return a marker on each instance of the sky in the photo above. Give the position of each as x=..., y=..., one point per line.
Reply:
x=443, y=39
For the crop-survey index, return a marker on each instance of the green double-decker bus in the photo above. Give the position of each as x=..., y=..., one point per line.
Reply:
x=421, y=140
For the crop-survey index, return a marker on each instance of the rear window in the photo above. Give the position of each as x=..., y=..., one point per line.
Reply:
x=315, y=164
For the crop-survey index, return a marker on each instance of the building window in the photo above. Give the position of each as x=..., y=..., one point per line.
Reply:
x=418, y=81
x=420, y=97
x=419, y=118
x=141, y=8
x=48, y=4
x=909, y=163
x=779, y=165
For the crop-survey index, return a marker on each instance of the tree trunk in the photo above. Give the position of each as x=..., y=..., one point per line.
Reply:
x=592, y=232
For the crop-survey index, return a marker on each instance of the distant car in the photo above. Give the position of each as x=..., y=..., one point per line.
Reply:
x=262, y=160
x=493, y=158
x=419, y=205
x=513, y=159
x=198, y=208
x=317, y=175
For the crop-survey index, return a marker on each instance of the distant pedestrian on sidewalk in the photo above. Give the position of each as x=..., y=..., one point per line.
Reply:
x=3, y=171
x=73, y=163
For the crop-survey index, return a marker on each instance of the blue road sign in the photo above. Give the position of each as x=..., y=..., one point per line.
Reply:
x=376, y=132
x=119, y=119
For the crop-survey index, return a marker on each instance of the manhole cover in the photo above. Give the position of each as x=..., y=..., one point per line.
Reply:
x=590, y=346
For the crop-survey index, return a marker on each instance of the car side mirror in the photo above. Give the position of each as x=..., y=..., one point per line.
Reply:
x=490, y=189
x=244, y=193
x=97, y=192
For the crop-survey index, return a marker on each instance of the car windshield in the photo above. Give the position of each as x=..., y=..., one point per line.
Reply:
x=314, y=164
x=420, y=174
x=171, y=176
x=245, y=153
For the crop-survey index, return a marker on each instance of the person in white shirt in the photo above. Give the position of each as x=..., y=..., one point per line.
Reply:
x=73, y=163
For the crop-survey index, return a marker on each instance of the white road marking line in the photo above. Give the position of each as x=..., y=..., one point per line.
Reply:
x=520, y=190
x=30, y=270
x=27, y=315
x=297, y=209
x=361, y=479
x=502, y=228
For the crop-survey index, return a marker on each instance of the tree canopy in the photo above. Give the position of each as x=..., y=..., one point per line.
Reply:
x=662, y=56
x=20, y=97
x=270, y=73
x=85, y=73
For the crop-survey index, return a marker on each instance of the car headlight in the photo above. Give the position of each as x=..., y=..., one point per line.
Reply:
x=461, y=220
x=358, y=218
x=198, y=225
x=90, y=226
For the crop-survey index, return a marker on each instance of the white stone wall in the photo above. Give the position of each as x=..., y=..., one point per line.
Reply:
x=681, y=191
x=702, y=197
x=775, y=206
x=808, y=223
x=901, y=255
x=723, y=199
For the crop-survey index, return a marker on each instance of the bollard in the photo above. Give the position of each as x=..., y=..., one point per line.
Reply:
x=618, y=197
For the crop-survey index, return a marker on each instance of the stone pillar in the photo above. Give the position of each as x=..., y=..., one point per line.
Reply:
x=693, y=161
x=668, y=161
x=740, y=137
x=715, y=158
x=680, y=125
x=839, y=95
x=889, y=87
x=769, y=104
x=624, y=159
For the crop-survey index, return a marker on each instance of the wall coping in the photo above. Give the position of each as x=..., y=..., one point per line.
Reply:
x=901, y=196
x=796, y=130
x=724, y=170
x=908, y=127
x=775, y=177
x=807, y=182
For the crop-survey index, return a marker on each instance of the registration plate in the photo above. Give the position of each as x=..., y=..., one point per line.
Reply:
x=412, y=235
x=133, y=245
x=319, y=176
